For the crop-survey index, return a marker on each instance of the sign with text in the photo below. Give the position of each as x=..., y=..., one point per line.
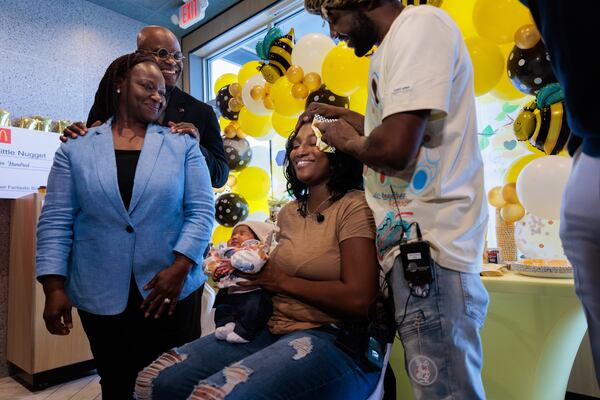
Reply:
x=5, y=135
x=25, y=160
x=192, y=12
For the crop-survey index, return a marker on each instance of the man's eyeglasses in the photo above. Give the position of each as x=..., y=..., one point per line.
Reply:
x=164, y=54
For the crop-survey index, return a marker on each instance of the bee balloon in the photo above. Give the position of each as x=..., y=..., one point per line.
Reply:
x=546, y=128
x=276, y=48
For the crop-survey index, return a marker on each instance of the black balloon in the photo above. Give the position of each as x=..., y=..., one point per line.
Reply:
x=238, y=153
x=530, y=69
x=223, y=97
x=230, y=208
x=324, y=95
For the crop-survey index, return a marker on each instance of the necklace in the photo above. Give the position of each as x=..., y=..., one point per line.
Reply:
x=304, y=211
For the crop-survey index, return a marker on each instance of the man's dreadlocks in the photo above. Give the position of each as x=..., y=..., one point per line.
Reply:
x=319, y=7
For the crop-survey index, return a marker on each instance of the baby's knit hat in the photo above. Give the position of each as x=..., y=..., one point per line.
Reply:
x=263, y=230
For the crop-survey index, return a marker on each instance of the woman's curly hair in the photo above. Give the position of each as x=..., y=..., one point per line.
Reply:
x=345, y=174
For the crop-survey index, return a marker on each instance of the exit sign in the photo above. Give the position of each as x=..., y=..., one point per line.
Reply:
x=191, y=12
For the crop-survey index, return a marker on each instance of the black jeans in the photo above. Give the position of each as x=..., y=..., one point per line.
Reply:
x=125, y=343
x=249, y=311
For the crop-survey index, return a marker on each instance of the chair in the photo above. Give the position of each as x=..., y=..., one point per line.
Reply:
x=207, y=316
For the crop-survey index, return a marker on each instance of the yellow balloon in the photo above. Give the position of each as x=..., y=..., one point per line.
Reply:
x=235, y=105
x=312, y=81
x=254, y=125
x=268, y=102
x=461, y=12
x=223, y=122
x=495, y=197
x=504, y=89
x=253, y=183
x=517, y=166
x=224, y=80
x=498, y=20
x=240, y=133
x=231, y=180
x=259, y=205
x=283, y=101
x=509, y=193
x=235, y=89
x=488, y=64
x=249, y=69
x=343, y=72
x=299, y=91
x=295, y=73
x=221, y=234
x=268, y=87
x=230, y=131
x=283, y=125
x=512, y=212
x=257, y=92
x=358, y=101
x=527, y=36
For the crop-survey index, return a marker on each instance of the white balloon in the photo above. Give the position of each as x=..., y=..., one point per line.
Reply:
x=310, y=51
x=270, y=135
x=254, y=106
x=258, y=216
x=539, y=238
x=541, y=184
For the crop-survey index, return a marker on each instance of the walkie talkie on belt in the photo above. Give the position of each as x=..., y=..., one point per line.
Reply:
x=417, y=264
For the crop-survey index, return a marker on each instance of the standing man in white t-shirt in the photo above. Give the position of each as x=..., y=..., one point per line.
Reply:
x=419, y=142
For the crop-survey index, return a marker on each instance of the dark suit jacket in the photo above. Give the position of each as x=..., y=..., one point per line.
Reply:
x=184, y=108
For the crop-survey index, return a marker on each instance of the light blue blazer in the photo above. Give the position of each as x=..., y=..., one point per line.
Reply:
x=86, y=234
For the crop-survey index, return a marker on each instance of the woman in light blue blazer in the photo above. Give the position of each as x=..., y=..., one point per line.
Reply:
x=127, y=215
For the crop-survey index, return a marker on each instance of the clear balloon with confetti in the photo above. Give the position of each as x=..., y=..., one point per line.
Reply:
x=539, y=238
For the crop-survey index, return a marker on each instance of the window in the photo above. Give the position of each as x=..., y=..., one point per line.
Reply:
x=231, y=50
x=230, y=54
x=230, y=60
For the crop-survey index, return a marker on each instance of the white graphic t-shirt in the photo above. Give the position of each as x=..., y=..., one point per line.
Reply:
x=423, y=64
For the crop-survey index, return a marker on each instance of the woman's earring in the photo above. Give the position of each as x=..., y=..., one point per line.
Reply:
x=118, y=90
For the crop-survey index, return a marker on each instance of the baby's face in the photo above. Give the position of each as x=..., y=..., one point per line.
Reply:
x=239, y=235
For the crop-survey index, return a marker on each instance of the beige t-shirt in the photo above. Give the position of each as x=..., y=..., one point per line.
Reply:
x=311, y=250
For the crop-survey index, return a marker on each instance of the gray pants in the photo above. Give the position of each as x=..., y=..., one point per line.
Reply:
x=580, y=235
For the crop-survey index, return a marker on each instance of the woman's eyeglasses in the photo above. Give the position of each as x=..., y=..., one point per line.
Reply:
x=164, y=54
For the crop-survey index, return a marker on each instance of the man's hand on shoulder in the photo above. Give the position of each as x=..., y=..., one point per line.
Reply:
x=76, y=129
x=185, y=128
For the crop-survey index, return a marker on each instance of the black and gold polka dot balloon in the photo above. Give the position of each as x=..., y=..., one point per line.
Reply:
x=530, y=70
x=230, y=208
x=238, y=153
x=326, y=96
x=223, y=98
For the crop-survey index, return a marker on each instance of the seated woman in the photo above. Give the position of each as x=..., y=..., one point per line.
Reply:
x=127, y=216
x=323, y=272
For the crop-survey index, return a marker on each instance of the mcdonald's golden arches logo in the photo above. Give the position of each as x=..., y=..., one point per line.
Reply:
x=4, y=135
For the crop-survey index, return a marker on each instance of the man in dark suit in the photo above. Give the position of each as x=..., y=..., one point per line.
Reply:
x=184, y=114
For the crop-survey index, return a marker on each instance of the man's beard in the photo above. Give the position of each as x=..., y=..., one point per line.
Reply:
x=363, y=36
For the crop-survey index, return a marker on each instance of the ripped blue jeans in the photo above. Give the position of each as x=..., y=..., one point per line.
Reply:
x=301, y=365
x=440, y=334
